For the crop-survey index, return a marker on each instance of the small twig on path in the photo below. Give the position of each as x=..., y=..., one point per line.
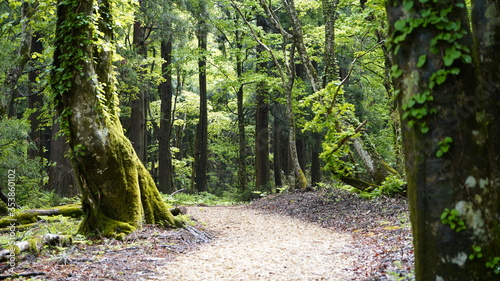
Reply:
x=200, y=235
x=17, y=275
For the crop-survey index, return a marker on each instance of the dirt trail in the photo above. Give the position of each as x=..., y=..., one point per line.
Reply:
x=253, y=245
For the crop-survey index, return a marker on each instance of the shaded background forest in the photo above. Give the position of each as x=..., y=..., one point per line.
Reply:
x=203, y=95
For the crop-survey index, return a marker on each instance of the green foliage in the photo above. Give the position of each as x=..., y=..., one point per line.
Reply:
x=48, y=224
x=494, y=264
x=330, y=116
x=444, y=146
x=29, y=173
x=453, y=219
x=477, y=252
x=391, y=187
x=202, y=198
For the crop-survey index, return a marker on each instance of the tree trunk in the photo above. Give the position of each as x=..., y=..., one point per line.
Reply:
x=315, y=161
x=201, y=141
x=449, y=108
x=242, y=142
x=166, y=174
x=299, y=174
x=137, y=131
x=118, y=194
x=277, y=151
x=298, y=39
x=262, y=164
x=61, y=175
x=331, y=74
x=292, y=141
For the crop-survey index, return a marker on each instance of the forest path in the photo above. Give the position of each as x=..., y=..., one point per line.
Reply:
x=254, y=245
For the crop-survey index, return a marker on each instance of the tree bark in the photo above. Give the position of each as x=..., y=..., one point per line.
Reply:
x=262, y=164
x=137, y=131
x=201, y=139
x=242, y=142
x=277, y=150
x=118, y=194
x=61, y=175
x=451, y=152
x=166, y=174
x=331, y=74
x=35, y=103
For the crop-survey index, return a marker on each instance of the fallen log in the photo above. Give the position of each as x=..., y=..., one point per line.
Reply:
x=35, y=245
x=32, y=216
x=16, y=228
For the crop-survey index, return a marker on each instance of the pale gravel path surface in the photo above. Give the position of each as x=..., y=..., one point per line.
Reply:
x=253, y=245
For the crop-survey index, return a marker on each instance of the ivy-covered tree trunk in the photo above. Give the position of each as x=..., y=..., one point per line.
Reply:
x=118, y=193
x=449, y=104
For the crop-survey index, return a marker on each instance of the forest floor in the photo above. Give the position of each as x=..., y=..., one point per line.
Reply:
x=334, y=235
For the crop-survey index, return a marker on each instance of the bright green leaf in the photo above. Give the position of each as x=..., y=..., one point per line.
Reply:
x=439, y=153
x=400, y=25
x=408, y=4
x=421, y=60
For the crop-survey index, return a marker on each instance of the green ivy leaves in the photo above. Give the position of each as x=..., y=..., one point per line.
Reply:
x=445, y=45
x=444, y=146
x=453, y=219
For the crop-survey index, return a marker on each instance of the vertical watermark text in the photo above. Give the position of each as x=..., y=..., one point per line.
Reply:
x=11, y=205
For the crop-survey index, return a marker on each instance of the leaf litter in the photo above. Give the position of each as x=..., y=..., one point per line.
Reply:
x=381, y=230
x=361, y=240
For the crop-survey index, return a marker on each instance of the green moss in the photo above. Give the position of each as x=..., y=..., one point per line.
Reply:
x=17, y=251
x=20, y=218
x=71, y=210
x=36, y=244
x=25, y=218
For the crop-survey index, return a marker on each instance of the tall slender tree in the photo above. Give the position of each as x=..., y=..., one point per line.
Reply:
x=242, y=142
x=201, y=139
x=262, y=164
x=138, y=103
x=166, y=173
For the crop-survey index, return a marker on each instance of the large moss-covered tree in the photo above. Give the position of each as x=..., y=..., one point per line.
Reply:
x=118, y=193
x=447, y=78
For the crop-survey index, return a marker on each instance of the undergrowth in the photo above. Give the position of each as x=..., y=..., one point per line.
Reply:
x=202, y=198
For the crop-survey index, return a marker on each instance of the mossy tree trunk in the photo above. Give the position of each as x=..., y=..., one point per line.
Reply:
x=449, y=103
x=118, y=193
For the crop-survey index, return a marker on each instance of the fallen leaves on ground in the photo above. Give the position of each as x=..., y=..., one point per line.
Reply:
x=380, y=227
x=135, y=258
